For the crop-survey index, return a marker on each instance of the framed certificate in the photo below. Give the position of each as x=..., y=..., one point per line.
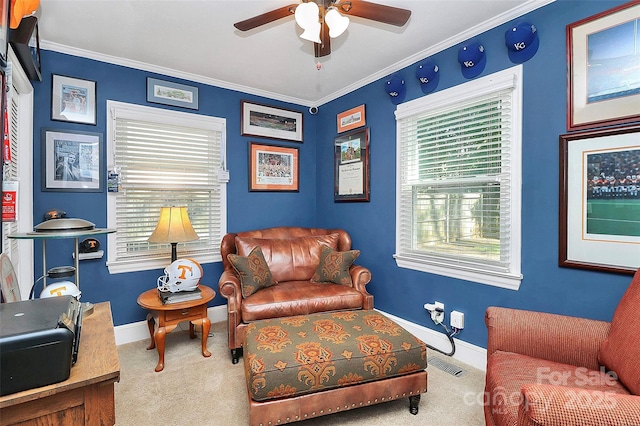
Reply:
x=351, y=153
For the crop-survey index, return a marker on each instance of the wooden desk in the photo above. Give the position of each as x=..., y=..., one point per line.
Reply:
x=168, y=316
x=87, y=396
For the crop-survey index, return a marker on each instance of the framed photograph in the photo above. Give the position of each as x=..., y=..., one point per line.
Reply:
x=168, y=93
x=72, y=161
x=5, y=5
x=351, y=119
x=273, y=168
x=73, y=100
x=270, y=122
x=604, y=82
x=351, y=153
x=600, y=199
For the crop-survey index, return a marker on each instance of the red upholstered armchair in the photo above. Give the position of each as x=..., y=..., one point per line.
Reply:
x=547, y=369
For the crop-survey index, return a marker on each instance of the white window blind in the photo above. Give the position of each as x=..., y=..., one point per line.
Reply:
x=458, y=182
x=164, y=158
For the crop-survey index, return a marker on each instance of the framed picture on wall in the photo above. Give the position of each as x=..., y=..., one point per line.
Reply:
x=72, y=161
x=604, y=79
x=351, y=156
x=351, y=119
x=170, y=93
x=270, y=122
x=73, y=100
x=600, y=199
x=273, y=168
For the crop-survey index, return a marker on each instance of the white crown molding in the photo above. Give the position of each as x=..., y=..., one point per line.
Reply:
x=517, y=11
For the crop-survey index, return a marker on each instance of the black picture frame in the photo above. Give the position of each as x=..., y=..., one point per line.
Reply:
x=351, y=156
x=77, y=93
x=69, y=162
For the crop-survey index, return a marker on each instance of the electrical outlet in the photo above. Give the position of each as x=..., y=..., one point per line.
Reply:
x=457, y=319
x=437, y=315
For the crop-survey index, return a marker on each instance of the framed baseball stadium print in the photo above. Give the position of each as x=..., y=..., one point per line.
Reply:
x=270, y=122
x=600, y=200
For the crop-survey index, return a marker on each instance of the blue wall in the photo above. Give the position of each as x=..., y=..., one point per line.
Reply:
x=245, y=209
x=401, y=292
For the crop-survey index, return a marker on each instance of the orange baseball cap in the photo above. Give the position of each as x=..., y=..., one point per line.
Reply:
x=20, y=9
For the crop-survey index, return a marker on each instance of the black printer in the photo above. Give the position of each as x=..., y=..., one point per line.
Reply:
x=39, y=341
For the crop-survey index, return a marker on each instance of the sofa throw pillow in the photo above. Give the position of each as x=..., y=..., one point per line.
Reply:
x=334, y=266
x=253, y=271
x=289, y=259
x=620, y=351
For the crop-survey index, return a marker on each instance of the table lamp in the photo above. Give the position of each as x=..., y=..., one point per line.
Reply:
x=173, y=227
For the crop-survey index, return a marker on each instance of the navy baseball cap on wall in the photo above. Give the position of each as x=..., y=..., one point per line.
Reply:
x=472, y=58
x=395, y=89
x=428, y=74
x=522, y=42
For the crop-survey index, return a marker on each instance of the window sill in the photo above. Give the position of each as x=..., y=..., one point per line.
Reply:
x=496, y=279
x=150, y=264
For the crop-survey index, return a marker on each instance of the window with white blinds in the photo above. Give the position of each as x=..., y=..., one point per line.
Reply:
x=164, y=158
x=459, y=184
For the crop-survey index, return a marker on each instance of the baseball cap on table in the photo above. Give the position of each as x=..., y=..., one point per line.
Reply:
x=522, y=42
x=472, y=58
x=428, y=74
x=395, y=89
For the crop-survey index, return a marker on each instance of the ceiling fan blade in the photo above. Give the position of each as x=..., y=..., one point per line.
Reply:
x=324, y=48
x=377, y=12
x=265, y=18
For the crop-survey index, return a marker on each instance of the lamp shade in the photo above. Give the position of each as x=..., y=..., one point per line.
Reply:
x=173, y=226
x=307, y=14
x=337, y=23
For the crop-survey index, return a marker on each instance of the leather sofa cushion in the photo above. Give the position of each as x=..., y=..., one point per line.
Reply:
x=620, y=351
x=289, y=259
x=293, y=356
x=299, y=298
x=508, y=373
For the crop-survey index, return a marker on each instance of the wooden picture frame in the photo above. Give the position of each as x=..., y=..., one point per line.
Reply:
x=270, y=122
x=599, y=219
x=72, y=161
x=73, y=100
x=602, y=89
x=273, y=168
x=351, y=161
x=170, y=93
x=351, y=119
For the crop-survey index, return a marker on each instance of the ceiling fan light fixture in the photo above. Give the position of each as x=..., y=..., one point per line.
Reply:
x=337, y=23
x=312, y=33
x=307, y=15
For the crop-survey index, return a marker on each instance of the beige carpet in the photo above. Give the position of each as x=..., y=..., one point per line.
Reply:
x=194, y=390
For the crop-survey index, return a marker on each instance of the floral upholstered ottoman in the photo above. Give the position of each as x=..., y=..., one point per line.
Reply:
x=307, y=366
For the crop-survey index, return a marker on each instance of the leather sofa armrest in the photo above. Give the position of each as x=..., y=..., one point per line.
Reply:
x=229, y=286
x=559, y=338
x=549, y=405
x=360, y=277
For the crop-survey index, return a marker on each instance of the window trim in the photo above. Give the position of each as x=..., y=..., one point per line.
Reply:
x=180, y=119
x=511, y=77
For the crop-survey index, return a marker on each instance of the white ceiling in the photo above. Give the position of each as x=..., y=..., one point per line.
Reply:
x=196, y=40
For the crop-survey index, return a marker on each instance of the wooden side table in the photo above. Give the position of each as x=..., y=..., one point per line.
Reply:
x=168, y=316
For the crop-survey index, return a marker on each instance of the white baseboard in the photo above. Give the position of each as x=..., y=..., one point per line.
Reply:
x=472, y=355
x=135, y=331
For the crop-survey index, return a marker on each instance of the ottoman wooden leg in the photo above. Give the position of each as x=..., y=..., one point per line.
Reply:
x=413, y=404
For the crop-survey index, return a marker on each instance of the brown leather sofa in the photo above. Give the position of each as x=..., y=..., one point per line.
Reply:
x=292, y=255
x=548, y=369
